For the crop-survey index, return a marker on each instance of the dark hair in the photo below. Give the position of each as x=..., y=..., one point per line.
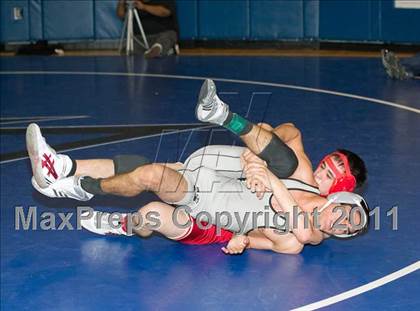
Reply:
x=357, y=166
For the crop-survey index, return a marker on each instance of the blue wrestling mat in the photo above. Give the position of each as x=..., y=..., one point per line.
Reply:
x=99, y=107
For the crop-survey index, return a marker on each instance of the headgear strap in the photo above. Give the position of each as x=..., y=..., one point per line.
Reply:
x=343, y=181
x=357, y=202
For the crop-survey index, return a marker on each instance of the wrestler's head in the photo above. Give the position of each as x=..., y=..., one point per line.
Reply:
x=335, y=221
x=341, y=170
x=345, y=215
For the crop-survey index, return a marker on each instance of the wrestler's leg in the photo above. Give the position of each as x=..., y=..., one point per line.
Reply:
x=165, y=182
x=48, y=166
x=221, y=158
x=95, y=168
x=103, y=168
x=176, y=224
x=163, y=218
x=224, y=159
x=54, y=174
x=258, y=138
x=280, y=158
x=210, y=108
x=153, y=217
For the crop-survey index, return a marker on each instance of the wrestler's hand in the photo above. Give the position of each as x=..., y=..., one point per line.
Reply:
x=253, y=184
x=256, y=186
x=248, y=156
x=257, y=172
x=236, y=245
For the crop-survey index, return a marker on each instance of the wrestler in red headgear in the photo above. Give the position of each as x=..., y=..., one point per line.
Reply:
x=334, y=174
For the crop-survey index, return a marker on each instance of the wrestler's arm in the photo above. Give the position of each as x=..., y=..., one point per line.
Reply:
x=276, y=242
x=269, y=240
x=305, y=234
x=286, y=203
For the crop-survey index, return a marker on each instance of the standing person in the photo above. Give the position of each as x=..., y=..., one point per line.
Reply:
x=159, y=21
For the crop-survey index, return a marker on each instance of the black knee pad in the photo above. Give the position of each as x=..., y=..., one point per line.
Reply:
x=280, y=158
x=127, y=163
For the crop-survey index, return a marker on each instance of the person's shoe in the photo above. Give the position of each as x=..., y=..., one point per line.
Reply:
x=101, y=223
x=154, y=51
x=210, y=108
x=47, y=165
x=393, y=67
x=68, y=187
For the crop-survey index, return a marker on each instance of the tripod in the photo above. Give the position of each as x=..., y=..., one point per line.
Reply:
x=127, y=34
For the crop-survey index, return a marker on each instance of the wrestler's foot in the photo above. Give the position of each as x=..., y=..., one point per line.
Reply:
x=393, y=67
x=68, y=187
x=101, y=223
x=210, y=108
x=47, y=165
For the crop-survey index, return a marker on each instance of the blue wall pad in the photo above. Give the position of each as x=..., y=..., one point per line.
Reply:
x=12, y=29
x=276, y=19
x=107, y=23
x=345, y=20
x=36, y=20
x=219, y=19
x=68, y=19
x=400, y=25
x=187, y=11
x=341, y=20
x=311, y=18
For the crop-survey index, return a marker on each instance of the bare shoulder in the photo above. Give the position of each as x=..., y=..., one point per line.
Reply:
x=309, y=202
x=319, y=201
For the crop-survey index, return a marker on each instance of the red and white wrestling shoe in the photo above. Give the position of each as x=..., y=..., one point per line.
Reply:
x=68, y=187
x=47, y=165
x=101, y=223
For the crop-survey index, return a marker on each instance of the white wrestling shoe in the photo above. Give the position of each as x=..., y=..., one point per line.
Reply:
x=68, y=187
x=47, y=165
x=100, y=223
x=210, y=108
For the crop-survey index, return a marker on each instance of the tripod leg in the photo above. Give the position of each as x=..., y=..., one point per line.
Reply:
x=129, y=46
x=123, y=34
x=141, y=29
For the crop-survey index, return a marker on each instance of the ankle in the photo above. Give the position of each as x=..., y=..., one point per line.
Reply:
x=237, y=124
x=92, y=185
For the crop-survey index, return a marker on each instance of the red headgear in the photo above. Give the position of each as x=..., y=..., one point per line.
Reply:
x=343, y=181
